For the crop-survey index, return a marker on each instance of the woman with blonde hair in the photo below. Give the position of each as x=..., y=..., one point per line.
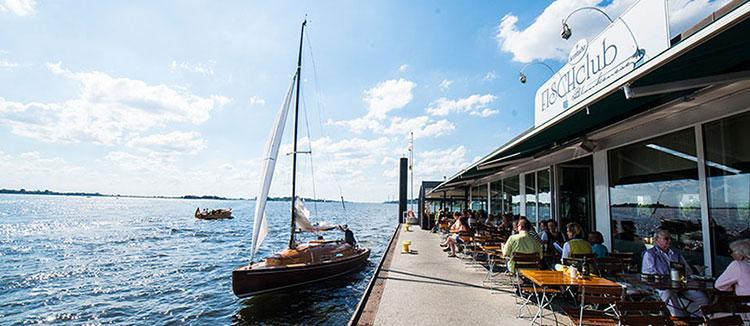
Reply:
x=576, y=245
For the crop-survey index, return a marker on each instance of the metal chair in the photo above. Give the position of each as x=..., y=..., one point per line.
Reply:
x=597, y=297
x=643, y=313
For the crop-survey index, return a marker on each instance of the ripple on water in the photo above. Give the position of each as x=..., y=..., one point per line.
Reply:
x=149, y=261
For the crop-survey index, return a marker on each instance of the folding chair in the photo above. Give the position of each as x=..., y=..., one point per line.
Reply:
x=725, y=321
x=602, y=300
x=526, y=289
x=643, y=313
x=610, y=267
x=727, y=304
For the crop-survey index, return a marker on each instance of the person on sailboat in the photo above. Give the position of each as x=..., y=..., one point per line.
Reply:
x=348, y=235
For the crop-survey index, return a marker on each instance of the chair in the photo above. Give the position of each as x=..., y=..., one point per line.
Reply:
x=526, y=290
x=727, y=304
x=643, y=313
x=608, y=267
x=725, y=321
x=626, y=258
x=581, y=256
x=596, y=296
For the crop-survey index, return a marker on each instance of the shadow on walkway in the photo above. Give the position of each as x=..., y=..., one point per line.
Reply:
x=435, y=280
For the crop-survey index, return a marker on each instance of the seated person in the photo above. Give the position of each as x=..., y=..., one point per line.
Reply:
x=521, y=243
x=348, y=235
x=657, y=261
x=576, y=245
x=597, y=247
x=531, y=231
x=736, y=277
x=454, y=239
x=553, y=237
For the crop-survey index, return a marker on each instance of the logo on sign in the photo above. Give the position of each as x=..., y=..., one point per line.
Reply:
x=578, y=51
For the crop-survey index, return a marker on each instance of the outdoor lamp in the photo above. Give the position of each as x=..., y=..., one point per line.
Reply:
x=522, y=76
x=567, y=32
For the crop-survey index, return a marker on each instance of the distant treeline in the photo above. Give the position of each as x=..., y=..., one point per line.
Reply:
x=96, y=194
x=411, y=201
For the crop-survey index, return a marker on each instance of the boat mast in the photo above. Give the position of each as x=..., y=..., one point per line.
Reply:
x=294, y=146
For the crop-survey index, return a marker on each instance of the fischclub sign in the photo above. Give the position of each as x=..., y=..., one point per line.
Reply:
x=632, y=39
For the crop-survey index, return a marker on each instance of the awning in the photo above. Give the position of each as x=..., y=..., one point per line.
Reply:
x=721, y=47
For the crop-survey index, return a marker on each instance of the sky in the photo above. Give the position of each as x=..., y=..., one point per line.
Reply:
x=169, y=98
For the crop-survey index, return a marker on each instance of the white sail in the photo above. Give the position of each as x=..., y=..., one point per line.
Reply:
x=302, y=219
x=260, y=225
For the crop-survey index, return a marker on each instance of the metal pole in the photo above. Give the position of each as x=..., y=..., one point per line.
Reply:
x=294, y=146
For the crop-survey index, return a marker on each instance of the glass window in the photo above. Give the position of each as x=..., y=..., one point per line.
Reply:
x=654, y=185
x=530, y=179
x=496, y=198
x=512, y=195
x=544, y=196
x=727, y=153
x=478, y=198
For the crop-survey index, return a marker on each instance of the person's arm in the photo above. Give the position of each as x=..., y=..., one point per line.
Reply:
x=506, y=247
x=566, y=250
x=648, y=263
x=557, y=246
x=729, y=278
x=544, y=236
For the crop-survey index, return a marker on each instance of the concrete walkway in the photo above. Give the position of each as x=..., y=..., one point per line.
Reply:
x=428, y=288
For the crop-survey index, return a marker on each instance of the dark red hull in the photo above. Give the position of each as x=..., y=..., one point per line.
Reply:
x=249, y=282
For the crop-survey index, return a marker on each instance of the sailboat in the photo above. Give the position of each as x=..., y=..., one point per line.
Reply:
x=298, y=264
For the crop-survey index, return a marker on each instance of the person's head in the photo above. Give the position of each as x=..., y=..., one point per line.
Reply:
x=595, y=237
x=543, y=226
x=523, y=224
x=662, y=239
x=515, y=226
x=552, y=226
x=740, y=249
x=456, y=215
x=628, y=226
x=575, y=231
x=505, y=218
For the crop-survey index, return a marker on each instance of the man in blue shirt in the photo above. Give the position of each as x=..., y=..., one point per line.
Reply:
x=657, y=261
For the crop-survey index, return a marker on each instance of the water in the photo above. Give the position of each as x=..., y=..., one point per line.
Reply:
x=149, y=261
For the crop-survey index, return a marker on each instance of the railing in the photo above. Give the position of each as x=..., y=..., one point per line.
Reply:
x=363, y=301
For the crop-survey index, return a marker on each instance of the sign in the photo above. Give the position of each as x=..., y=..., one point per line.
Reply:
x=640, y=34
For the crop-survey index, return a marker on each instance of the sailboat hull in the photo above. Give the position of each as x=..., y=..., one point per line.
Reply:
x=248, y=281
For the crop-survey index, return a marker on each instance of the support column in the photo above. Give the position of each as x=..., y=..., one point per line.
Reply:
x=601, y=197
x=403, y=173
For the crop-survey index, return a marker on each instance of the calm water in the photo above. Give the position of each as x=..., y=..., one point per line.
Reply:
x=149, y=261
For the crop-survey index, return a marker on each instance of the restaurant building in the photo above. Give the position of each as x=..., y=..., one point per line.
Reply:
x=636, y=132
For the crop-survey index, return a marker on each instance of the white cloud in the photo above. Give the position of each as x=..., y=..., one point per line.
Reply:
x=388, y=96
x=486, y=112
x=7, y=64
x=432, y=165
x=403, y=68
x=200, y=68
x=422, y=127
x=18, y=7
x=256, y=100
x=541, y=40
x=108, y=110
x=445, y=85
x=473, y=104
x=489, y=76
x=174, y=143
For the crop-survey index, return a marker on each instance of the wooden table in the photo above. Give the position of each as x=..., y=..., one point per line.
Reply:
x=549, y=279
x=705, y=286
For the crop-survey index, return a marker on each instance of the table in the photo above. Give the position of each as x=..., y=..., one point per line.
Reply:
x=547, y=279
x=706, y=286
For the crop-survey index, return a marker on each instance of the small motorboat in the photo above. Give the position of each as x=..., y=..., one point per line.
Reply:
x=214, y=214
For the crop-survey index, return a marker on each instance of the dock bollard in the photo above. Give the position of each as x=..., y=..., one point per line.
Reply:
x=407, y=227
x=405, y=247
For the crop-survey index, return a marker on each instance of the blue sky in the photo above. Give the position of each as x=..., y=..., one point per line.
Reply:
x=174, y=98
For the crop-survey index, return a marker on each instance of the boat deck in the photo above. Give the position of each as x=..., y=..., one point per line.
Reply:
x=428, y=288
